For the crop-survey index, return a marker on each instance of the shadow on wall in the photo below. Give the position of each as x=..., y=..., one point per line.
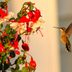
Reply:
x=65, y=7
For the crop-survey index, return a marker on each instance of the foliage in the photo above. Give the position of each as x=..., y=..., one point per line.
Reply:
x=11, y=31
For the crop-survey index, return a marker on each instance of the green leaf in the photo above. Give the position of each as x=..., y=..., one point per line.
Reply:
x=20, y=61
x=3, y=54
x=0, y=60
x=9, y=30
x=12, y=18
x=7, y=45
x=8, y=26
x=19, y=15
x=24, y=69
x=17, y=67
x=19, y=71
x=12, y=70
x=1, y=25
x=17, y=18
x=4, y=58
x=22, y=51
x=15, y=70
x=31, y=7
x=25, y=3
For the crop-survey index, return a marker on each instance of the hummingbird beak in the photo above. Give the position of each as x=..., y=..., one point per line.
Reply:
x=58, y=27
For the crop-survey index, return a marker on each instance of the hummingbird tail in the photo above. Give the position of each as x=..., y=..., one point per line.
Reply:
x=68, y=46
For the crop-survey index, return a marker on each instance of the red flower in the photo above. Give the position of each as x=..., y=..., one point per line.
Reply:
x=4, y=34
x=14, y=44
x=25, y=46
x=32, y=63
x=26, y=64
x=13, y=20
x=1, y=47
x=37, y=14
x=30, y=14
x=29, y=29
x=29, y=2
x=23, y=19
x=2, y=13
x=34, y=19
x=17, y=52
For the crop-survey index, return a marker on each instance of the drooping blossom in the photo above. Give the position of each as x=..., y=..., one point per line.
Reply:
x=25, y=47
x=1, y=48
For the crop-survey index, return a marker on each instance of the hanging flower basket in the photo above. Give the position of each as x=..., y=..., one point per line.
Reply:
x=11, y=31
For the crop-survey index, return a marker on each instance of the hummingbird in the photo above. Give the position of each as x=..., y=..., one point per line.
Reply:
x=65, y=35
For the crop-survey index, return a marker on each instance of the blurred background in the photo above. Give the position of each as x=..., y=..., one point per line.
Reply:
x=65, y=18
x=48, y=51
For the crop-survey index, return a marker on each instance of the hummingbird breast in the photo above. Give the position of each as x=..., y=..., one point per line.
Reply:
x=63, y=38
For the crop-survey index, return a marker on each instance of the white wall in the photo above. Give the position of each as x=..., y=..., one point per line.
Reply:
x=44, y=49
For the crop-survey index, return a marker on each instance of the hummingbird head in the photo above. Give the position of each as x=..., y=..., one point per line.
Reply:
x=61, y=28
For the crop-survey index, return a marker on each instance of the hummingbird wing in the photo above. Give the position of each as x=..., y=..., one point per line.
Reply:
x=69, y=30
x=68, y=46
